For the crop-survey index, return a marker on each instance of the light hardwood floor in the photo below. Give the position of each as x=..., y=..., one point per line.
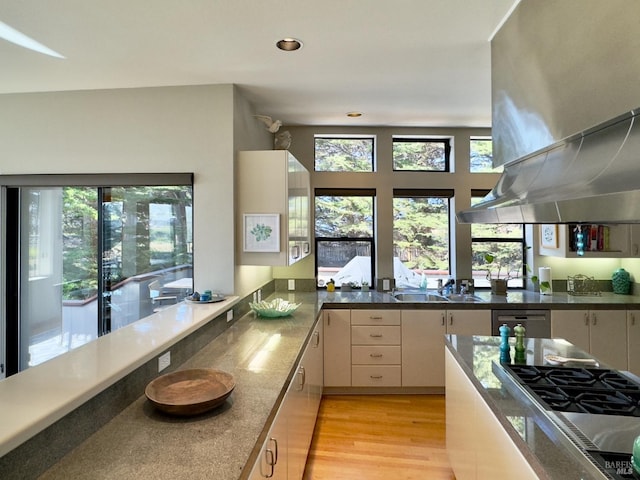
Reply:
x=379, y=437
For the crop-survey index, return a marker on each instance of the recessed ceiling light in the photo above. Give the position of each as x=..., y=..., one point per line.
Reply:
x=354, y=114
x=289, y=44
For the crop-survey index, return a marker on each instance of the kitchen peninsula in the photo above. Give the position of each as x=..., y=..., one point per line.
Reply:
x=223, y=444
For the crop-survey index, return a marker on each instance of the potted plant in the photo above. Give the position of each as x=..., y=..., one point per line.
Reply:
x=365, y=286
x=499, y=275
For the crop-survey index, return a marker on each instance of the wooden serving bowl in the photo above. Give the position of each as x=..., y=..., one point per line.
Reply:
x=190, y=392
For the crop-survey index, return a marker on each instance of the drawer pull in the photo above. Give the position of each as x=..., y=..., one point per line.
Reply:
x=375, y=377
x=375, y=335
x=375, y=355
x=375, y=318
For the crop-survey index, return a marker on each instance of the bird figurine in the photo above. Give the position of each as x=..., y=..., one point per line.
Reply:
x=272, y=125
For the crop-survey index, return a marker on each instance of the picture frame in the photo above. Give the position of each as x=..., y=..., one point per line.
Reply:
x=549, y=235
x=261, y=232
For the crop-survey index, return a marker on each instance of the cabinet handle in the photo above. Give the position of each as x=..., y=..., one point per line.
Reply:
x=451, y=319
x=328, y=319
x=375, y=355
x=316, y=334
x=375, y=318
x=375, y=377
x=633, y=319
x=303, y=375
x=375, y=335
x=586, y=319
x=443, y=321
x=594, y=318
x=271, y=457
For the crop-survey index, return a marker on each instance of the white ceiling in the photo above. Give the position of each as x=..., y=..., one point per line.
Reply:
x=400, y=62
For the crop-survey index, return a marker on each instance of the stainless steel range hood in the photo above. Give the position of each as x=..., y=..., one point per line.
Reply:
x=590, y=177
x=563, y=74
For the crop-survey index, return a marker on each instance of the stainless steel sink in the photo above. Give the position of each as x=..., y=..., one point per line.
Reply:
x=463, y=297
x=419, y=297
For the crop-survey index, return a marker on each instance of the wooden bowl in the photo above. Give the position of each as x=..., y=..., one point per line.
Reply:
x=190, y=392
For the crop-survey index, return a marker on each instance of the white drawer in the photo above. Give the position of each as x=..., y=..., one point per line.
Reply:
x=376, y=376
x=376, y=355
x=383, y=335
x=375, y=317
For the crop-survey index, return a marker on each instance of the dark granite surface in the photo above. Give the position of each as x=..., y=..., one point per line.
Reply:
x=515, y=299
x=532, y=429
x=141, y=443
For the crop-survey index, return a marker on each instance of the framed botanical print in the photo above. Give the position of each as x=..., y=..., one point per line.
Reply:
x=261, y=232
x=549, y=235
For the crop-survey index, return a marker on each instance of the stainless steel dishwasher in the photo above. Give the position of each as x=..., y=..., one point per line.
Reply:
x=537, y=323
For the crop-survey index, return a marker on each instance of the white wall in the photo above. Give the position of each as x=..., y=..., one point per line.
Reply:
x=165, y=129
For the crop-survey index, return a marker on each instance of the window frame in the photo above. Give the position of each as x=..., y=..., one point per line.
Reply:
x=346, y=192
x=523, y=241
x=447, y=193
x=346, y=137
x=423, y=139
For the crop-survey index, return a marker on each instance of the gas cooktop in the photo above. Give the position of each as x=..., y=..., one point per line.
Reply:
x=581, y=390
x=600, y=406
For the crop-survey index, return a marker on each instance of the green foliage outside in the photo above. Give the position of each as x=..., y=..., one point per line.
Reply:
x=418, y=155
x=344, y=154
x=481, y=156
x=126, y=218
x=421, y=232
x=344, y=216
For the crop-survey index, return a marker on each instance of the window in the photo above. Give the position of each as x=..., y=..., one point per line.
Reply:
x=420, y=237
x=344, y=154
x=421, y=154
x=505, y=242
x=90, y=252
x=481, y=156
x=344, y=237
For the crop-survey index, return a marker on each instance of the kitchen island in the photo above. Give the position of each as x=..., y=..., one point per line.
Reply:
x=497, y=429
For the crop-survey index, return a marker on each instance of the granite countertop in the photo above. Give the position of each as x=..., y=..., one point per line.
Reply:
x=143, y=443
x=550, y=453
x=515, y=299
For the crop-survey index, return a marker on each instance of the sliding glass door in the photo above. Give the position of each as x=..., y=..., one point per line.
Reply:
x=80, y=260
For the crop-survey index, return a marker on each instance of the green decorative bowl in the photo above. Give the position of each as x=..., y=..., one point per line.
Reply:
x=274, y=309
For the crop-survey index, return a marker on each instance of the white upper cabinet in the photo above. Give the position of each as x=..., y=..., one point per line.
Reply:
x=272, y=208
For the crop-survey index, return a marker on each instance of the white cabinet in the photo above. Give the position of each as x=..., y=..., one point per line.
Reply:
x=375, y=348
x=284, y=452
x=303, y=401
x=423, y=341
x=469, y=322
x=393, y=348
x=602, y=333
x=633, y=340
x=272, y=462
x=469, y=420
x=273, y=182
x=337, y=348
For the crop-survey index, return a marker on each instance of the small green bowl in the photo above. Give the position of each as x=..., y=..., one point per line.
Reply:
x=275, y=309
